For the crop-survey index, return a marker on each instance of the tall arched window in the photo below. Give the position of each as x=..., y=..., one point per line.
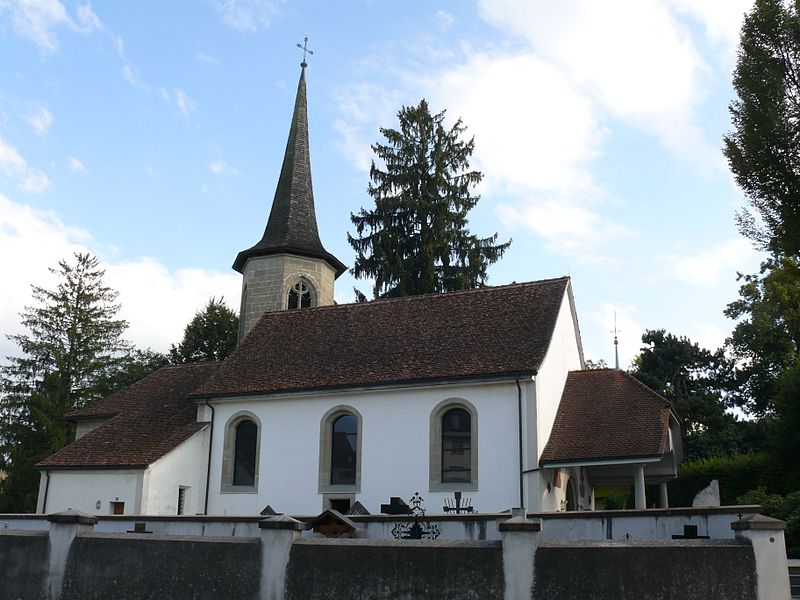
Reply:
x=344, y=450
x=453, y=446
x=340, y=441
x=240, y=454
x=300, y=296
x=244, y=461
x=456, y=446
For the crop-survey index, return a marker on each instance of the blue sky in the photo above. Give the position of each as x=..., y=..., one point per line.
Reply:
x=151, y=134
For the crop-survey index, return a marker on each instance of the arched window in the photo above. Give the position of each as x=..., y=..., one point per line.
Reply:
x=244, y=461
x=344, y=450
x=340, y=453
x=300, y=296
x=456, y=446
x=240, y=454
x=453, y=446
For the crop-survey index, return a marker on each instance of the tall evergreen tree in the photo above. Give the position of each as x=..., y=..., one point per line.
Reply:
x=416, y=240
x=210, y=336
x=73, y=342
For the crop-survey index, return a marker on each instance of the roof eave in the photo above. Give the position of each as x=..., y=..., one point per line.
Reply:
x=367, y=386
x=241, y=259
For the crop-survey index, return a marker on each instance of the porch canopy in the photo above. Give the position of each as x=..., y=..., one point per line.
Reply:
x=617, y=430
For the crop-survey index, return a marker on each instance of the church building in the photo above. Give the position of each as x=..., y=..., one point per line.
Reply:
x=321, y=405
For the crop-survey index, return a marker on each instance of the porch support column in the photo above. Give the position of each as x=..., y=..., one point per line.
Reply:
x=638, y=487
x=663, y=498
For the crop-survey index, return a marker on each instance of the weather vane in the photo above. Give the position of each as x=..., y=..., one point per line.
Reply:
x=616, y=342
x=304, y=48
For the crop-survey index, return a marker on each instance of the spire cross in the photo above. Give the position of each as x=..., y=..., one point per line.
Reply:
x=304, y=48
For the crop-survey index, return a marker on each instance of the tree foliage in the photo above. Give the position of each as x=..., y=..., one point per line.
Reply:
x=416, y=240
x=72, y=345
x=695, y=381
x=763, y=150
x=766, y=338
x=210, y=336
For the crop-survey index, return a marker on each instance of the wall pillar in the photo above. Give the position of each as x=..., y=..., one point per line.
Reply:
x=772, y=569
x=638, y=487
x=64, y=528
x=663, y=496
x=520, y=538
x=278, y=533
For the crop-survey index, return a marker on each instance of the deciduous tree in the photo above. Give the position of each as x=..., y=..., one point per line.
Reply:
x=210, y=336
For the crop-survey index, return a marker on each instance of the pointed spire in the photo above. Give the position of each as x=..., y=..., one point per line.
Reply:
x=292, y=224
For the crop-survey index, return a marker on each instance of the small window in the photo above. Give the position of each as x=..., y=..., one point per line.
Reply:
x=117, y=508
x=181, y=500
x=244, y=462
x=344, y=447
x=300, y=296
x=341, y=505
x=456, y=446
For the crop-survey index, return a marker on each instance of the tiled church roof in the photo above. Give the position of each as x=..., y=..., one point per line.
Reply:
x=292, y=225
x=148, y=419
x=476, y=333
x=607, y=414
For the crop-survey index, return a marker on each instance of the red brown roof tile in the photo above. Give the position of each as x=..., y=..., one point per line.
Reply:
x=483, y=332
x=150, y=418
x=607, y=414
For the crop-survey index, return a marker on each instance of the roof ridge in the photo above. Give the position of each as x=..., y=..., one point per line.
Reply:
x=416, y=297
x=629, y=376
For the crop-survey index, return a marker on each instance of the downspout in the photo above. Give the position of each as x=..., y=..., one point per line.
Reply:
x=519, y=431
x=208, y=462
x=46, y=489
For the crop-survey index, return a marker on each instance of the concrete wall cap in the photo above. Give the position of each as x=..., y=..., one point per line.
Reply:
x=282, y=522
x=72, y=516
x=752, y=522
x=520, y=524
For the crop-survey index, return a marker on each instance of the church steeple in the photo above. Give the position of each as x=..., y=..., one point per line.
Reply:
x=289, y=267
x=292, y=224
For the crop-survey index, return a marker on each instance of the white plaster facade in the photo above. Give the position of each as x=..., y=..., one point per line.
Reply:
x=150, y=491
x=395, y=439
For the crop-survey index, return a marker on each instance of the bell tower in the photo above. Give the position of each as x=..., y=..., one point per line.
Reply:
x=288, y=268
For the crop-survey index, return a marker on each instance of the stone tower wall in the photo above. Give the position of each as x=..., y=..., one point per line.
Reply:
x=266, y=281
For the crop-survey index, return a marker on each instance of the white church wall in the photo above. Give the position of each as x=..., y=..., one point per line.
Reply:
x=563, y=356
x=82, y=490
x=395, y=448
x=185, y=467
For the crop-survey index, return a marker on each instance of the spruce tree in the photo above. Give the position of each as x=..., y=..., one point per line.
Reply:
x=415, y=240
x=72, y=345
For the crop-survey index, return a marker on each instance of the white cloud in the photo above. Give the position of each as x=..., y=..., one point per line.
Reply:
x=220, y=167
x=445, y=19
x=711, y=266
x=16, y=167
x=721, y=18
x=157, y=302
x=88, y=19
x=35, y=182
x=76, y=166
x=132, y=76
x=41, y=120
x=247, y=15
x=634, y=58
x=37, y=20
x=185, y=103
x=203, y=57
